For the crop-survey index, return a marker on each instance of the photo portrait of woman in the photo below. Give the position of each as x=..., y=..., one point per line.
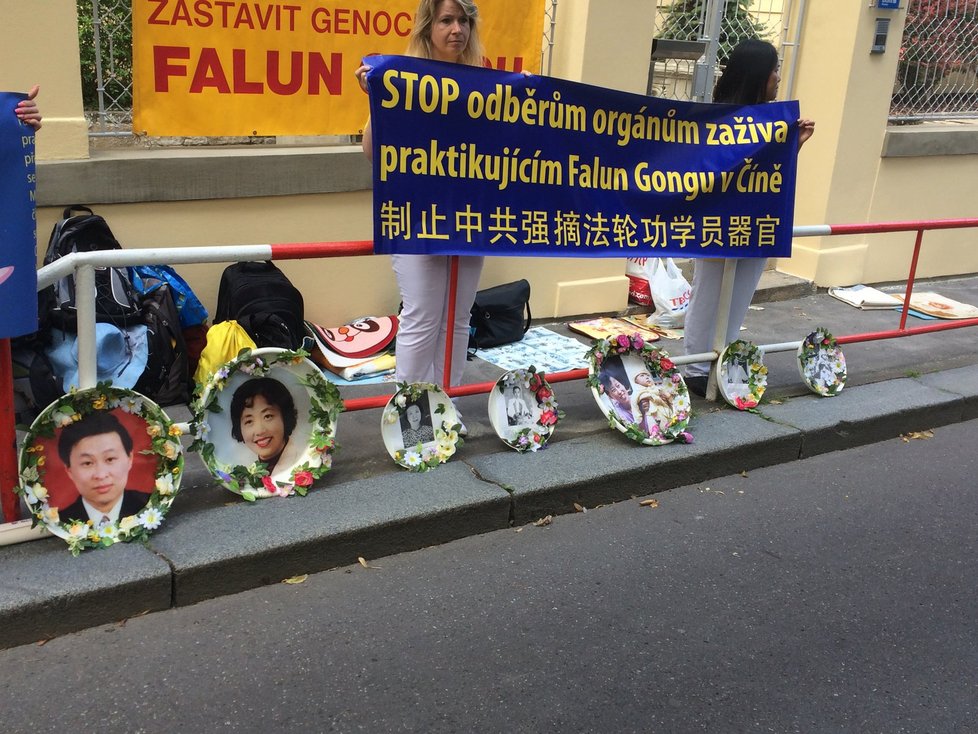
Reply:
x=263, y=418
x=617, y=388
x=416, y=424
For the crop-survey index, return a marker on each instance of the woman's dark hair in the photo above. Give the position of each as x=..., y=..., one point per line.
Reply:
x=423, y=407
x=274, y=392
x=746, y=73
x=93, y=424
x=614, y=367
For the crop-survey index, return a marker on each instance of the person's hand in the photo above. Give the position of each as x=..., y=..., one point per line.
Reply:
x=361, y=75
x=806, y=128
x=27, y=111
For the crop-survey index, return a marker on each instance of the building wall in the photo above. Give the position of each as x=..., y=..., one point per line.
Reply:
x=179, y=198
x=855, y=169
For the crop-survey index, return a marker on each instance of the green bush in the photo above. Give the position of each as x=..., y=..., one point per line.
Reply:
x=115, y=35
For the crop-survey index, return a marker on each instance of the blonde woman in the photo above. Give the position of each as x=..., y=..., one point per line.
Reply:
x=444, y=30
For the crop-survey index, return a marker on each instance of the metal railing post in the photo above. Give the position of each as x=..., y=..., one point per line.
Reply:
x=85, y=303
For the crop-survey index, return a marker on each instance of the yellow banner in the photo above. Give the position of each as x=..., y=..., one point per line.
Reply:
x=229, y=67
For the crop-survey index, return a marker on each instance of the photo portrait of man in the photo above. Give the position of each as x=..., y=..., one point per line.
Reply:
x=97, y=452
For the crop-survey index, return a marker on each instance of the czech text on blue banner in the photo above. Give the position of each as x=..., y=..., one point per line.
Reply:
x=472, y=161
x=18, y=239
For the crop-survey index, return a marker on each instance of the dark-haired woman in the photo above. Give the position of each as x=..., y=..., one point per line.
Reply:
x=750, y=77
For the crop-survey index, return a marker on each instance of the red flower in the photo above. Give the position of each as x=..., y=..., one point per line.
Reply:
x=543, y=393
x=548, y=418
x=269, y=484
x=303, y=478
x=666, y=363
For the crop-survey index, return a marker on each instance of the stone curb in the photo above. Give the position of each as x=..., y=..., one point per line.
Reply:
x=223, y=550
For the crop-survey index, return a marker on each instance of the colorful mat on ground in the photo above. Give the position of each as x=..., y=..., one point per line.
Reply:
x=540, y=347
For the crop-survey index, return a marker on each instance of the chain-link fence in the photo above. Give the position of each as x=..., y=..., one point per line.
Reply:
x=718, y=25
x=105, y=40
x=937, y=77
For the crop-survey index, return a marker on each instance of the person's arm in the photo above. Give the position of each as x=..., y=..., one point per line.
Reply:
x=806, y=128
x=367, y=143
x=27, y=111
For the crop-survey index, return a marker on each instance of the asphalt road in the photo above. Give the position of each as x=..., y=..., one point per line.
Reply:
x=835, y=594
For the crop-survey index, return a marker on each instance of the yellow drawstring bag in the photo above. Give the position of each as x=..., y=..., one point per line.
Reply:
x=224, y=341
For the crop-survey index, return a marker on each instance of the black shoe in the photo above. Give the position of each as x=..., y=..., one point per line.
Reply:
x=697, y=385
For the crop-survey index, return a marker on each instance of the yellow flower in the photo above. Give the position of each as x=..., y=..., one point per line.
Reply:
x=40, y=461
x=40, y=491
x=128, y=523
x=155, y=430
x=100, y=402
x=176, y=470
x=50, y=514
x=78, y=529
x=170, y=450
x=175, y=430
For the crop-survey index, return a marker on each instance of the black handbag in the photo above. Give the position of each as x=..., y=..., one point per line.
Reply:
x=500, y=315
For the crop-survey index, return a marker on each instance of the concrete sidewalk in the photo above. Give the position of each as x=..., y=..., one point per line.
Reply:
x=213, y=543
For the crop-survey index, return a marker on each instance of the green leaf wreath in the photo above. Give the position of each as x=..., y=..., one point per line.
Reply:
x=421, y=458
x=658, y=364
x=165, y=445
x=254, y=481
x=821, y=348
x=745, y=352
x=535, y=437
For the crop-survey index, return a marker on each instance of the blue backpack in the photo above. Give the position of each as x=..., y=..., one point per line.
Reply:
x=146, y=278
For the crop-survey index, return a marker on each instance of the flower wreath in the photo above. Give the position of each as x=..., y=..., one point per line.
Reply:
x=748, y=352
x=815, y=344
x=658, y=364
x=535, y=437
x=164, y=440
x=421, y=458
x=254, y=481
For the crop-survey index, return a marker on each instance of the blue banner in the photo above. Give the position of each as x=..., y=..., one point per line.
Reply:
x=473, y=161
x=18, y=233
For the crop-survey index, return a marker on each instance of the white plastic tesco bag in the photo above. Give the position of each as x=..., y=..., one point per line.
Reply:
x=657, y=281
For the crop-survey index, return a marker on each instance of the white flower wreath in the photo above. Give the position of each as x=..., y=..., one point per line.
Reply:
x=165, y=445
x=423, y=456
x=254, y=481
x=534, y=437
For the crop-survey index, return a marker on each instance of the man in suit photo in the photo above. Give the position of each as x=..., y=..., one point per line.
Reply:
x=97, y=454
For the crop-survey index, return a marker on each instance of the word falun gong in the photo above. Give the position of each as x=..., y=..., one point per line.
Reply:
x=471, y=161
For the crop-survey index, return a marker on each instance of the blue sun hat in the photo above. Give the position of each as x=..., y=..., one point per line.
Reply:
x=121, y=355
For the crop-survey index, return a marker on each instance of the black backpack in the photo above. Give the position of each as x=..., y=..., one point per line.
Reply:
x=264, y=302
x=116, y=301
x=166, y=378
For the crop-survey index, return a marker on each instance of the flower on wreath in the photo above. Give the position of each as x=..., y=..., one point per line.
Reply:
x=131, y=404
x=164, y=485
x=303, y=478
x=412, y=459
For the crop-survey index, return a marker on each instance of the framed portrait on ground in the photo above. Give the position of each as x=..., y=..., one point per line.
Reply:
x=265, y=423
x=639, y=390
x=523, y=409
x=420, y=426
x=100, y=466
x=821, y=363
x=741, y=374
